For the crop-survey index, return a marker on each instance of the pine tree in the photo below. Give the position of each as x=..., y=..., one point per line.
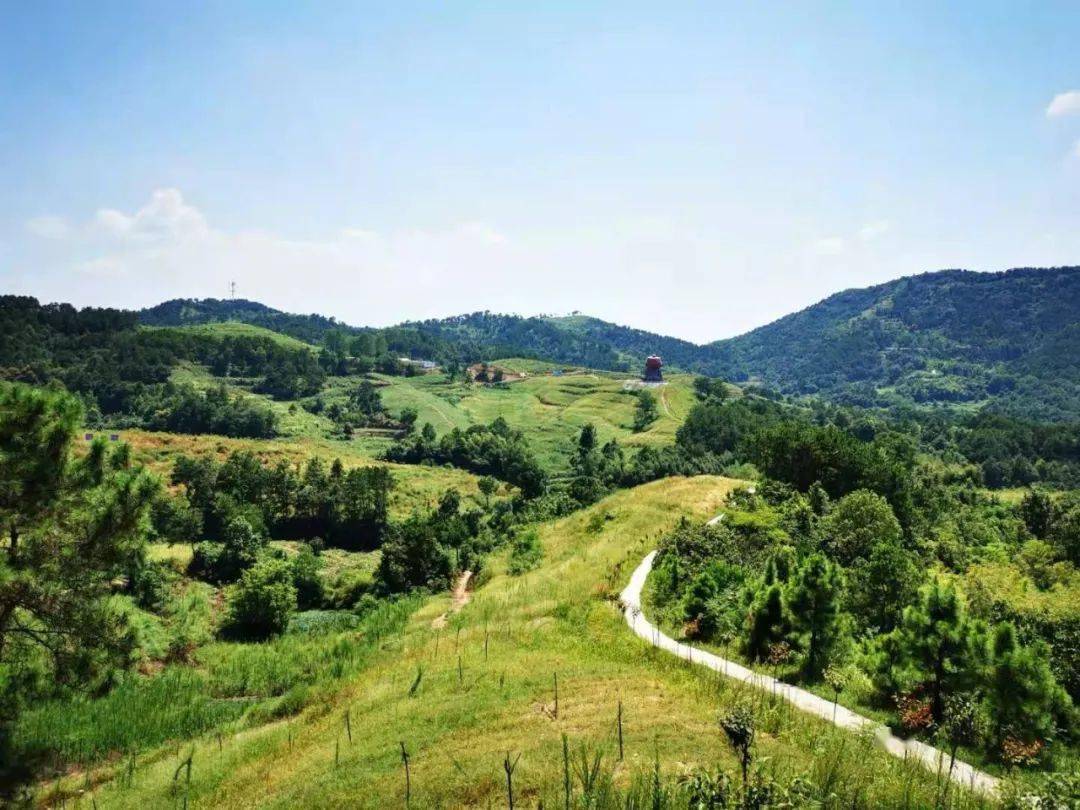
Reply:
x=1022, y=697
x=814, y=601
x=71, y=526
x=936, y=648
x=768, y=622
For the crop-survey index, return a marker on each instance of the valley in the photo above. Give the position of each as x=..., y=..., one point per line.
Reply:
x=264, y=560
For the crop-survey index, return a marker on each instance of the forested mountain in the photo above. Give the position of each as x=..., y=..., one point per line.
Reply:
x=951, y=336
x=1009, y=340
x=187, y=311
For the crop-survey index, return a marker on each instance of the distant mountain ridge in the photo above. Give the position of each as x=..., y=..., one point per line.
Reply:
x=1010, y=339
x=950, y=336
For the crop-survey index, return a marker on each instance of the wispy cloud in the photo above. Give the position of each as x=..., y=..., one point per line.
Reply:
x=837, y=244
x=872, y=230
x=1062, y=104
x=169, y=247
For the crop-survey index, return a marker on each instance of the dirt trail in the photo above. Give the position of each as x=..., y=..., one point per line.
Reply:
x=664, y=402
x=459, y=597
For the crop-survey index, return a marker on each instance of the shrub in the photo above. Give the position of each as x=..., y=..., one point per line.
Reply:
x=260, y=604
x=525, y=552
x=305, y=576
x=226, y=561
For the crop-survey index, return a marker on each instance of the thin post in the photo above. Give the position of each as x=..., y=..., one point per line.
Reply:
x=509, y=766
x=620, y=732
x=460, y=672
x=556, y=695
x=348, y=723
x=408, y=778
x=567, y=788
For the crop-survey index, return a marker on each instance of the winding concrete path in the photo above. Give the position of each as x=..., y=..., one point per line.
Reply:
x=932, y=758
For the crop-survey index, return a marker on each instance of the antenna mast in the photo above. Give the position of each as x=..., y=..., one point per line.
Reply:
x=232, y=289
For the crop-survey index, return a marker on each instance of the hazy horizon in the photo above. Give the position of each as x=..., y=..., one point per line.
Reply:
x=698, y=173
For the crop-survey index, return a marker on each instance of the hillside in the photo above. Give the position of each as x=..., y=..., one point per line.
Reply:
x=460, y=698
x=948, y=337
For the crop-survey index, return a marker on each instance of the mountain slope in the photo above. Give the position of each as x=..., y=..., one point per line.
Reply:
x=951, y=336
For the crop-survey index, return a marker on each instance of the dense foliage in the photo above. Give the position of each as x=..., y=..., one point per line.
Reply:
x=494, y=449
x=344, y=508
x=946, y=337
x=837, y=592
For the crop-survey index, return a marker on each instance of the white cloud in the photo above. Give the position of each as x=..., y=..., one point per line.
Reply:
x=49, y=227
x=167, y=248
x=106, y=267
x=830, y=245
x=1064, y=104
x=872, y=230
x=165, y=217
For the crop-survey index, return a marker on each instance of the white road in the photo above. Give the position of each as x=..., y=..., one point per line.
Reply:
x=933, y=758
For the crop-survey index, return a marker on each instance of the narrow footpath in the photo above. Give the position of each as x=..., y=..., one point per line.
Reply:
x=932, y=758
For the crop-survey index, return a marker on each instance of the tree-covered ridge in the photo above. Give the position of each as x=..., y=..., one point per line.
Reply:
x=332, y=334
x=576, y=340
x=123, y=372
x=1010, y=340
x=951, y=336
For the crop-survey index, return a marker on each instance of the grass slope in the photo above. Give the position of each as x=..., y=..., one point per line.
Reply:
x=485, y=688
x=550, y=410
x=237, y=329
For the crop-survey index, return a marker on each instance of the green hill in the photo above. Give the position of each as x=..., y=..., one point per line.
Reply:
x=1007, y=340
x=239, y=329
x=458, y=695
x=948, y=337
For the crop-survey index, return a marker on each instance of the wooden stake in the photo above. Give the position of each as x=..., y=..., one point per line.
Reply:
x=509, y=766
x=620, y=732
x=408, y=779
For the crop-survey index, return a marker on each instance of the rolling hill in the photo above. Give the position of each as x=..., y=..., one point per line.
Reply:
x=1007, y=340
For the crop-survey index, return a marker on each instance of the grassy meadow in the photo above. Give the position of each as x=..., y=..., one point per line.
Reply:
x=551, y=410
x=462, y=698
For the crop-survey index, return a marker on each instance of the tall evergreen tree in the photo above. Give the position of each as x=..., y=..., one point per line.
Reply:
x=1023, y=699
x=814, y=600
x=71, y=526
x=935, y=649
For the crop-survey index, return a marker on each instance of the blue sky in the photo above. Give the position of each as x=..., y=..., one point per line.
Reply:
x=697, y=169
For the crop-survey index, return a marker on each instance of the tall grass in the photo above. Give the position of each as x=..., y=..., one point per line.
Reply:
x=225, y=682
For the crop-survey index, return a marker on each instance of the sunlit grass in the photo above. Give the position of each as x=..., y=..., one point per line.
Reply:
x=460, y=698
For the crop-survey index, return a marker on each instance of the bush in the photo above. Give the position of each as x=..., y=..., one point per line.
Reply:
x=226, y=561
x=260, y=604
x=305, y=576
x=525, y=552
